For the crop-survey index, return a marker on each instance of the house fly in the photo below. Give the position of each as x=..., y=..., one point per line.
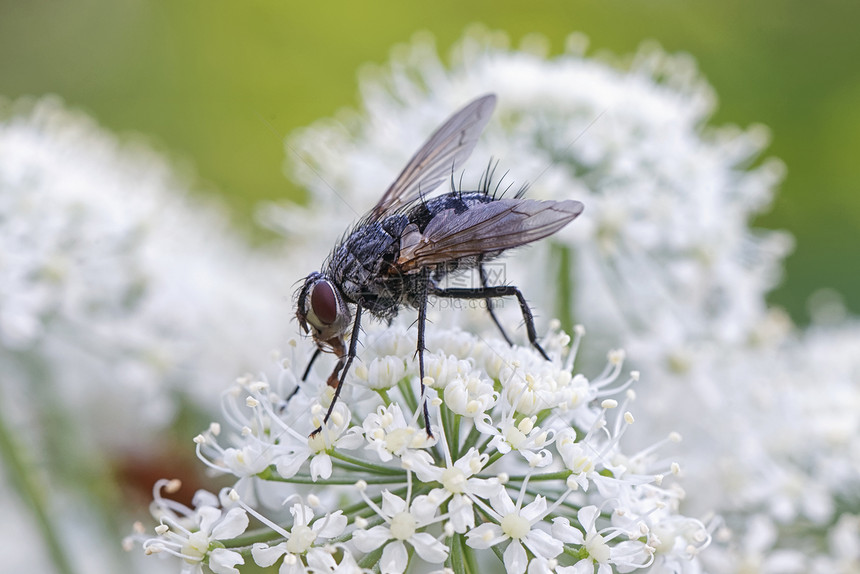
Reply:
x=398, y=254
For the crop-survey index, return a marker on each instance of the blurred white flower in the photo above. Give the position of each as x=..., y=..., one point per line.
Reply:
x=119, y=290
x=121, y=298
x=780, y=454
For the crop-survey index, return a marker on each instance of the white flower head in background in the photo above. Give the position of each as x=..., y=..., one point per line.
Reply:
x=783, y=459
x=122, y=297
x=118, y=287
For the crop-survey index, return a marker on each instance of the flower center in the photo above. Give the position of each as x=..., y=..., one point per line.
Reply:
x=453, y=480
x=196, y=547
x=514, y=436
x=317, y=443
x=397, y=440
x=301, y=539
x=402, y=526
x=515, y=525
x=597, y=548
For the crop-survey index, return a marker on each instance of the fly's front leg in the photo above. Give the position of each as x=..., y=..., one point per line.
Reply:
x=422, y=320
x=489, y=301
x=342, y=368
x=307, y=372
x=490, y=292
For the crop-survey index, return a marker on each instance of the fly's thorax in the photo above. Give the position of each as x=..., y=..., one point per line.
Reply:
x=363, y=265
x=422, y=213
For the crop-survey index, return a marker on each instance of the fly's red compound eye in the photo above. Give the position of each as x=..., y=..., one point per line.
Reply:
x=324, y=302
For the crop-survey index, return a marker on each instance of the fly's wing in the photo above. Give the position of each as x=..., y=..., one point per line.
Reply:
x=446, y=149
x=485, y=228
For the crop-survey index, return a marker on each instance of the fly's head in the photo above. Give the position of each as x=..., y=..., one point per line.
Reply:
x=322, y=312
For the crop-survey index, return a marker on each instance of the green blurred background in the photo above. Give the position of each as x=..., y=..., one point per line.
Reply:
x=217, y=83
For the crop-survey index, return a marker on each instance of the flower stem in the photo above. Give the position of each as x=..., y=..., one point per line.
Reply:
x=374, y=468
x=383, y=394
x=560, y=475
x=352, y=479
x=22, y=478
x=371, y=559
x=564, y=287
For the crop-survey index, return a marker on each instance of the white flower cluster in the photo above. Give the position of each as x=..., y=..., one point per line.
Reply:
x=783, y=454
x=119, y=295
x=115, y=281
x=524, y=462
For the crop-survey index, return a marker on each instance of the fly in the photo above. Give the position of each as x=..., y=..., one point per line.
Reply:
x=397, y=255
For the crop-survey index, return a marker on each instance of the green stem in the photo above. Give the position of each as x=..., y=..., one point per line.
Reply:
x=337, y=481
x=455, y=437
x=374, y=468
x=386, y=400
x=564, y=291
x=560, y=475
x=371, y=559
x=468, y=556
x=456, y=561
x=462, y=559
x=22, y=477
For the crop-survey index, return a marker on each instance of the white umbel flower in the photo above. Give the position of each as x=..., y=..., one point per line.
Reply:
x=475, y=487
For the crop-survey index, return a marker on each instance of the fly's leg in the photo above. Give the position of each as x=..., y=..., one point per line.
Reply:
x=491, y=292
x=422, y=320
x=307, y=372
x=489, y=301
x=314, y=357
x=342, y=367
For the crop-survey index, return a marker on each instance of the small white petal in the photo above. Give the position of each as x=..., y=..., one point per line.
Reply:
x=209, y=515
x=543, y=544
x=562, y=530
x=370, y=540
x=265, y=555
x=232, y=525
x=424, y=508
x=515, y=558
x=321, y=466
x=330, y=526
x=485, y=535
x=534, y=510
x=428, y=548
x=392, y=504
x=394, y=559
x=223, y=561
x=587, y=516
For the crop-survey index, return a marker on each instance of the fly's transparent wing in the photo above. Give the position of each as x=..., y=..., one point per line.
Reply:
x=446, y=149
x=486, y=228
